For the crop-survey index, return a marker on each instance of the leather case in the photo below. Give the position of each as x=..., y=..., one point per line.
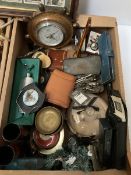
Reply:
x=57, y=58
x=117, y=114
x=107, y=58
x=105, y=142
x=86, y=65
x=59, y=88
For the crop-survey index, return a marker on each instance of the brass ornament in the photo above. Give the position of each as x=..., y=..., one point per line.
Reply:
x=58, y=21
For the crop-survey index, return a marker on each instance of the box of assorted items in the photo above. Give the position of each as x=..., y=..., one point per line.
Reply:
x=62, y=103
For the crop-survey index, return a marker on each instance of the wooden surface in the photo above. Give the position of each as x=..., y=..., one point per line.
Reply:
x=97, y=21
x=110, y=172
x=5, y=54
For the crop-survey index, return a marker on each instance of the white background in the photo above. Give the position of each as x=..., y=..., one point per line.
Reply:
x=121, y=9
x=118, y=8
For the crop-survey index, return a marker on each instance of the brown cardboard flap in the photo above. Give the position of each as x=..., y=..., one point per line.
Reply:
x=97, y=21
x=129, y=158
x=118, y=64
x=109, y=172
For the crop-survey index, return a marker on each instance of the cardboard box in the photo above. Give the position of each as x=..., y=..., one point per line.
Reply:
x=16, y=49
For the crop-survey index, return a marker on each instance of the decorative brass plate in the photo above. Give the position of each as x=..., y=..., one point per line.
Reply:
x=50, y=30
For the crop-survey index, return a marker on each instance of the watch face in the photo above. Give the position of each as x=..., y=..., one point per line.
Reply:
x=30, y=97
x=58, y=3
x=50, y=33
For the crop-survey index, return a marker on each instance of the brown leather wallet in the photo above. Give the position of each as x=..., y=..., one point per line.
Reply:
x=59, y=88
x=57, y=58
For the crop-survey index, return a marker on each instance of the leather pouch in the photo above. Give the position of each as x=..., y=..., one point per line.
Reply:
x=59, y=88
x=86, y=65
x=57, y=58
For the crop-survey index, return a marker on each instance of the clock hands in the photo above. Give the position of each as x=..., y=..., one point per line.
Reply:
x=29, y=95
x=51, y=35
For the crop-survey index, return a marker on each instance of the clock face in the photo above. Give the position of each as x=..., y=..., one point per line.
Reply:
x=50, y=33
x=30, y=97
x=50, y=30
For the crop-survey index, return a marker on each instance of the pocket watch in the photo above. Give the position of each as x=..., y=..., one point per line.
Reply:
x=50, y=30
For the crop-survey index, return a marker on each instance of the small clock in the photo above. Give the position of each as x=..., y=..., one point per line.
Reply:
x=50, y=29
x=30, y=99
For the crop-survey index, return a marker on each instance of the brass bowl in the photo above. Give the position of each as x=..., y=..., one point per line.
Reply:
x=60, y=19
x=49, y=120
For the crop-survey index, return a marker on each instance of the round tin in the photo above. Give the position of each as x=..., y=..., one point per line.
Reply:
x=46, y=61
x=57, y=147
x=49, y=120
x=81, y=120
x=45, y=141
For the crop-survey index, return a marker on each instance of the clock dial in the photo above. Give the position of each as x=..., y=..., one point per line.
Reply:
x=50, y=30
x=50, y=34
x=30, y=97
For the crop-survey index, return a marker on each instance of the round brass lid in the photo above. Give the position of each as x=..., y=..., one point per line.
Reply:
x=48, y=120
x=46, y=61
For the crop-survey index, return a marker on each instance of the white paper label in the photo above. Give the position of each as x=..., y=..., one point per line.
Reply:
x=92, y=45
x=81, y=98
x=119, y=108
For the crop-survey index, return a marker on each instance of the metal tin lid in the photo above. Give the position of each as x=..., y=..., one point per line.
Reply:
x=46, y=61
x=56, y=148
x=45, y=141
x=84, y=122
x=48, y=120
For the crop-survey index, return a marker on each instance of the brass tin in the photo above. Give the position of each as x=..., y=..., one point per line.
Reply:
x=49, y=120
